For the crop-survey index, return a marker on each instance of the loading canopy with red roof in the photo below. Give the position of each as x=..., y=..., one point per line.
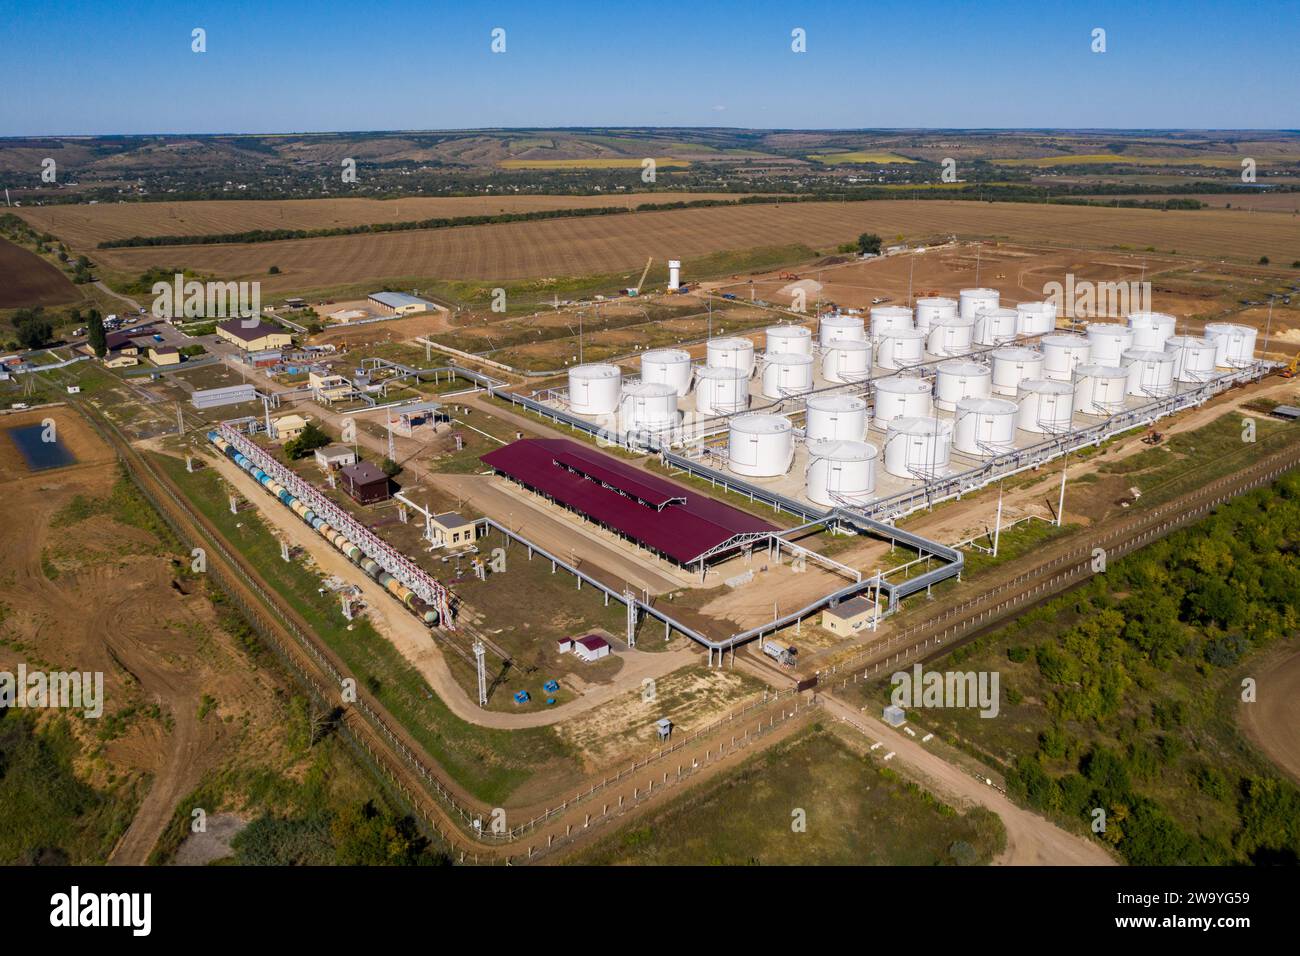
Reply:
x=681, y=524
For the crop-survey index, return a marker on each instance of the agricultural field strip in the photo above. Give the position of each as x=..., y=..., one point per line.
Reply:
x=83, y=227
x=571, y=247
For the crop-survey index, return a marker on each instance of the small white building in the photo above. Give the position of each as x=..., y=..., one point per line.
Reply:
x=591, y=648
x=333, y=457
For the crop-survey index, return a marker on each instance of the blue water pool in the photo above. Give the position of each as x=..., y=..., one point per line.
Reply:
x=38, y=453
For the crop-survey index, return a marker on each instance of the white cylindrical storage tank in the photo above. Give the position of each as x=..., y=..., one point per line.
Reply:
x=761, y=446
x=837, y=417
x=1194, y=358
x=731, y=352
x=974, y=301
x=931, y=308
x=848, y=360
x=954, y=335
x=1151, y=329
x=1063, y=352
x=789, y=340
x=918, y=447
x=837, y=327
x=650, y=406
x=902, y=396
x=594, y=389
x=667, y=367
x=674, y=274
x=1234, y=344
x=995, y=326
x=889, y=318
x=984, y=426
x=721, y=391
x=957, y=379
x=901, y=348
x=787, y=373
x=1013, y=364
x=840, y=472
x=1150, y=373
x=1035, y=318
x=1046, y=406
x=1100, y=389
x=1107, y=343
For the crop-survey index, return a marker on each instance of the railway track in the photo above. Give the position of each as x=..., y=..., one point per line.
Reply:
x=962, y=622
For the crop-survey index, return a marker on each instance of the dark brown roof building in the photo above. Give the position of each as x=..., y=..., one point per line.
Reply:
x=365, y=483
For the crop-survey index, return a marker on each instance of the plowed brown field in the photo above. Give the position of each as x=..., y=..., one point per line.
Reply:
x=28, y=280
x=574, y=247
x=84, y=227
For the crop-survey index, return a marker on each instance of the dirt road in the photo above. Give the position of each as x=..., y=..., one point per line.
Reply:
x=1273, y=721
x=1031, y=840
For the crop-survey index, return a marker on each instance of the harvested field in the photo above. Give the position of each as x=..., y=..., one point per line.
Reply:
x=1251, y=201
x=600, y=245
x=27, y=280
x=83, y=227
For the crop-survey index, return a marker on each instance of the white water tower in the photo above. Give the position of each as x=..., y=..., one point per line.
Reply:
x=674, y=274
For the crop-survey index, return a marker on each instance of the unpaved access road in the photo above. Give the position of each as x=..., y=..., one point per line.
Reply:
x=1273, y=720
x=1031, y=840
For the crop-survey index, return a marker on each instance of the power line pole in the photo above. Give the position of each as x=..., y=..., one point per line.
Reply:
x=1060, y=502
x=479, y=651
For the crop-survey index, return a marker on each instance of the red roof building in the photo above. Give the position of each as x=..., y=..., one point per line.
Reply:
x=679, y=523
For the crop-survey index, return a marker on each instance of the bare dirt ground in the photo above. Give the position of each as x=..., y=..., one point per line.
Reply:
x=1273, y=721
x=28, y=280
x=392, y=330
x=200, y=849
x=98, y=595
x=696, y=698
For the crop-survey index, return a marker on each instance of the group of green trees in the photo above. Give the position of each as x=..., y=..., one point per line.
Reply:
x=307, y=441
x=1125, y=688
x=33, y=327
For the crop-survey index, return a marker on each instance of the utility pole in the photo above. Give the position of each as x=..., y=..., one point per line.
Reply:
x=997, y=526
x=630, y=598
x=1268, y=327
x=479, y=651
x=911, y=267
x=1060, y=503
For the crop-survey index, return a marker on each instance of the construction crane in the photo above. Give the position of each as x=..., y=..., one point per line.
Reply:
x=1290, y=370
x=644, y=272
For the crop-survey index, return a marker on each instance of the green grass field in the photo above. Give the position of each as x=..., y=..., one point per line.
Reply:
x=856, y=812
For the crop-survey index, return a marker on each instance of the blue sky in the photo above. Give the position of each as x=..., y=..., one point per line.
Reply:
x=95, y=68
